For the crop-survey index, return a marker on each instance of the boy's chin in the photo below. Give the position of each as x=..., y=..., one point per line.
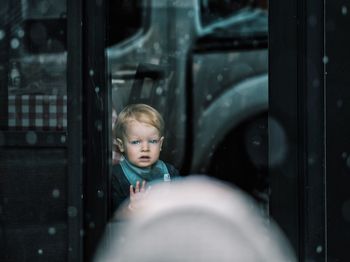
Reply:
x=144, y=165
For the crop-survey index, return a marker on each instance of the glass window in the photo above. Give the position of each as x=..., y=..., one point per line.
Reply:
x=35, y=60
x=197, y=67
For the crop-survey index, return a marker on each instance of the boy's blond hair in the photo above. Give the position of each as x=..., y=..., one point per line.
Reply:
x=139, y=112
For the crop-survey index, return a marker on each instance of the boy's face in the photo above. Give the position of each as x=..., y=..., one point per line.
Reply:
x=142, y=144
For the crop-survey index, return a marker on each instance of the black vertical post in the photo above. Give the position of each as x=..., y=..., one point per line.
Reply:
x=312, y=76
x=283, y=119
x=297, y=115
x=74, y=130
x=97, y=125
x=337, y=110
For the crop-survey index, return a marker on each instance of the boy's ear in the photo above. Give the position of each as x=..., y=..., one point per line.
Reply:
x=120, y=145
x=161, y=142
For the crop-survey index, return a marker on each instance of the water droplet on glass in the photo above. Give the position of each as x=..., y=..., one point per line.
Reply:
x=2, y=34
x=20, y=33
x=31, y=137
x=97, y=89
x=52, y=230
x=319, y=249
x=348, y=161
x=63, y=139
x=40, y=251
x=98, y=125
x=100, y=193
x=209, y=97
x=55, y=193
x=344, y=10
x=220, y=78
x=91, y=72
x=156, y=46
x=325, y=59
x=159, y=90
x=14, y=43
x=344, y=155
x=72, y=211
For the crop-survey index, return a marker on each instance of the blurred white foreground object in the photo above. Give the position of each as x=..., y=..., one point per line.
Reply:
x=195, y=219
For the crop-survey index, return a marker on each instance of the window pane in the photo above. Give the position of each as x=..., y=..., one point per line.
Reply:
x=34, y=58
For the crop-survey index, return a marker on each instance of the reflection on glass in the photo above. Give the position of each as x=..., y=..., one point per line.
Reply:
x=203, y=65
x=36, y=59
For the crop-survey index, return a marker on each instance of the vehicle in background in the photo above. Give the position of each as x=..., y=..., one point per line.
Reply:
x=203, y=64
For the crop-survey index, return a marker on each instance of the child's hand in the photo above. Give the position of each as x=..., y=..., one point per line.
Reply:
x=136, y=194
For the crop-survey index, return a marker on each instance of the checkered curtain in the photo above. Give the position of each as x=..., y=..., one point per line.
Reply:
x=39, y=112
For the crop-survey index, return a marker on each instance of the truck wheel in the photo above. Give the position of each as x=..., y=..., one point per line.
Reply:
x=242, y=157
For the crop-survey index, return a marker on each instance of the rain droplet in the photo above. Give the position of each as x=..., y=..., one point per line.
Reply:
x=52, y=230
x=156, y=46
x=98, y=125
x=97, y=89
x=344, y=155
x=55, y=193
x=348, y=161
x=344, y=10
x=31, y=137
x=159, y=90
x=40, y=251
x=2, y=34
x=319, y=249
x=91, y=72
x=220, y=77
x=209, y=97
x=14, y=43
x=20, y=33
x=72, y=211
x=325, y=59
x=100, y=193
x=63, y=139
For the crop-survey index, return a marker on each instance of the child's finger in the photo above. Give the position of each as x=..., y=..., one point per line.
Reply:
x=131, y=191
x=143, y=186
x=137, y=187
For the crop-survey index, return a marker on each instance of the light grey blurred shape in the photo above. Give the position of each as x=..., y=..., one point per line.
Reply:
x=196, y=218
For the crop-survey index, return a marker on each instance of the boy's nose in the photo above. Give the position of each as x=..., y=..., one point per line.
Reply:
x=144, y=146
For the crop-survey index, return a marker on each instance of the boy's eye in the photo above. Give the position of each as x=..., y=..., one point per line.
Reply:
x=135, y=142
x=153, y=141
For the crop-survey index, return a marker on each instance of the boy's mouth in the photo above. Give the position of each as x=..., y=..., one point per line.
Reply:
x=144, y=158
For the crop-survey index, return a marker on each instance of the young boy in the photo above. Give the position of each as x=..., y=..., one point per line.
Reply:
x=139, y=136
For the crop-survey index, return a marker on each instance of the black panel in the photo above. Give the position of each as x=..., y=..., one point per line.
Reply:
x=283, y=122
x=45, y=242
x=33, y=204
x=338, y=130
